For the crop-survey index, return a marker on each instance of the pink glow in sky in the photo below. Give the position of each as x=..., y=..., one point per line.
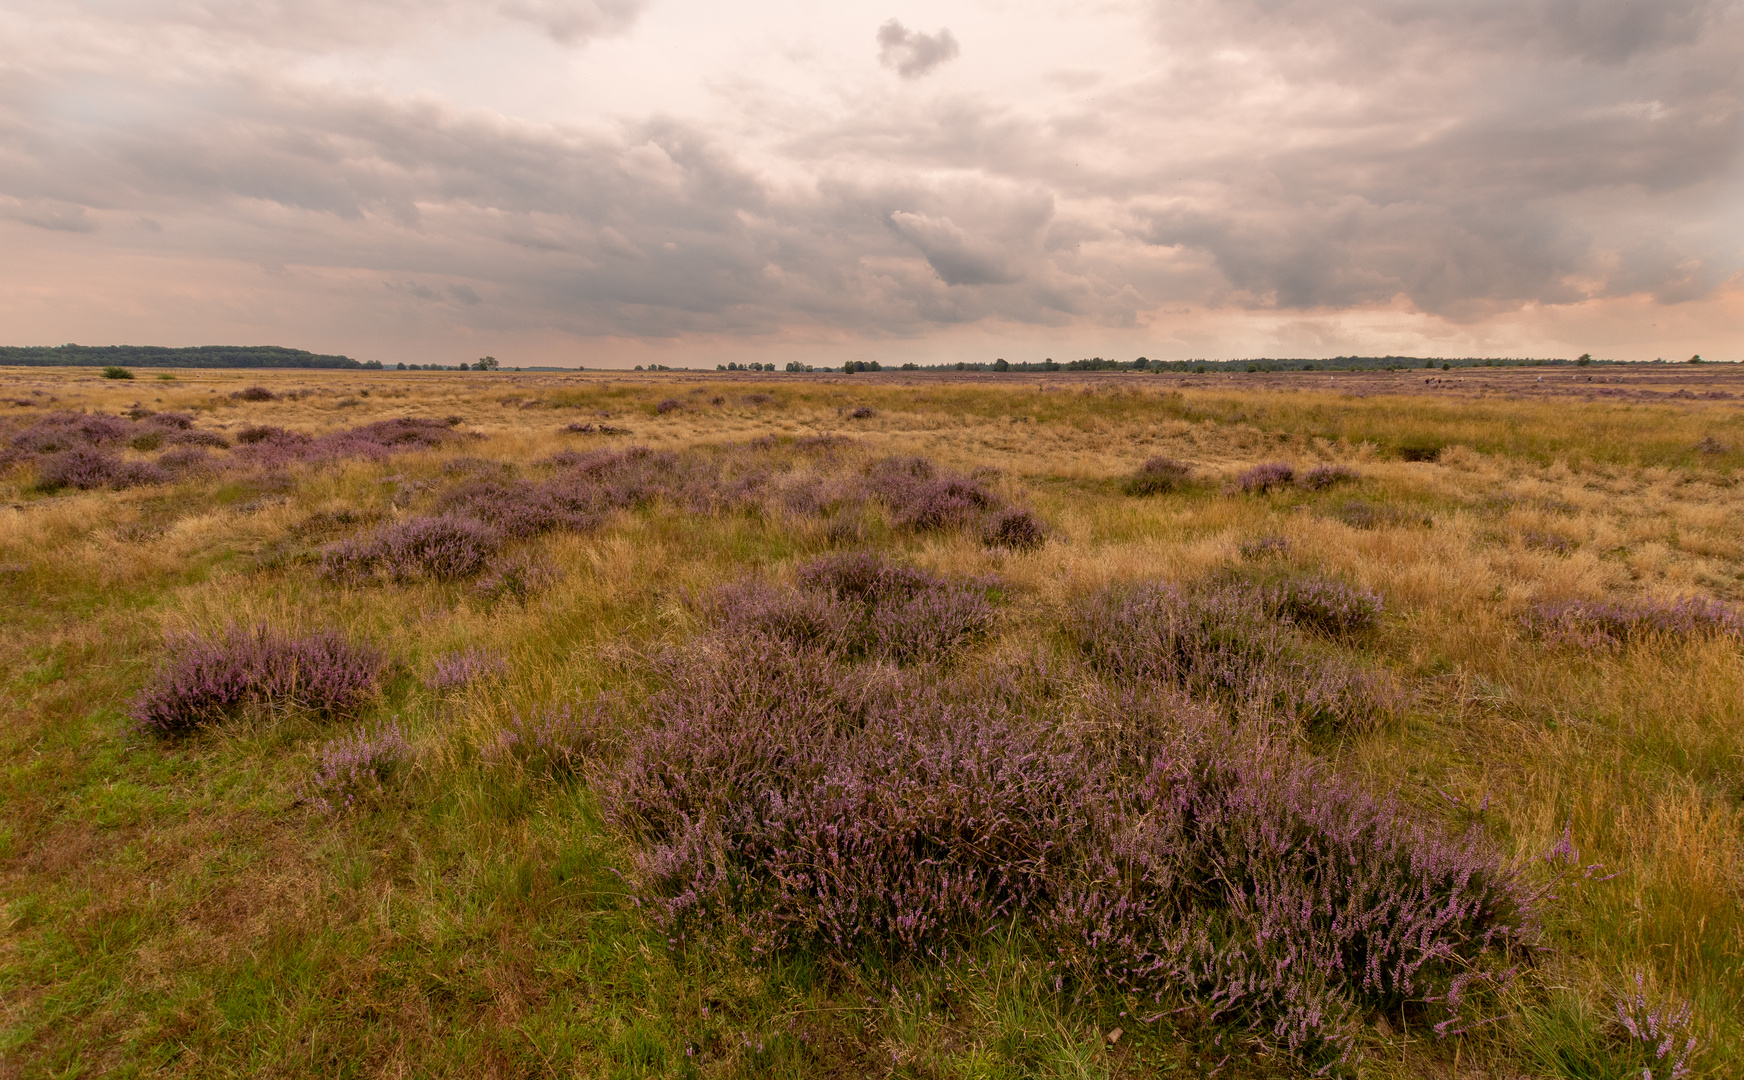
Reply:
x=611, y=182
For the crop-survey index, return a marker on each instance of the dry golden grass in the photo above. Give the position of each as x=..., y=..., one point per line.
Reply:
x=160, y=900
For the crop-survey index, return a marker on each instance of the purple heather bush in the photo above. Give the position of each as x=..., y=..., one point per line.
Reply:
x=858, y=605
x=1016, y=528
x=208, y=679
x=1158, y=476
x=274, y=447
x=255, y=393
x=669, y=405
x=1610, y=624
x=442, y=548
x=87, y=469
x=1228, y=643
x=553, y=743
x=1265, y=547
x=356, y=768
x=797, y=801
x=519, y=576
x=461, y=669
x=1321, y=477
x=1330, y=607
x=1263, y=478
x=922, y=499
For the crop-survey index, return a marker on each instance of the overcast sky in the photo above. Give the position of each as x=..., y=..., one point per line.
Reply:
x=612, y=182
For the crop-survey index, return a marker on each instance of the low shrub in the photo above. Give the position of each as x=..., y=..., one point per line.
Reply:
x=858, y=606
x=116, y=373
x=1658, y=1037
x=1016, y=528
x=1227, y=642
x=87, y=469
x=669, y=405
x=798, y=802
x=355, y=768
x=1263, y=478
x=552, y=743
x=442, y=548
x=254, y=393
x=519, y=577
x=207, y=680
x=461, y=669
x=1321, y=477
x=1330, y=607
x=1265, y=547
x=862, y=412
x=1158, y=476
x=1609, y=624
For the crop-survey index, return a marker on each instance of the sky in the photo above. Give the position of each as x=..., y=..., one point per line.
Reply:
x=619, y=182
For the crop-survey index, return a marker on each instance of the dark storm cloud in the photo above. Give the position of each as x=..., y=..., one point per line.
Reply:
x=911, y=52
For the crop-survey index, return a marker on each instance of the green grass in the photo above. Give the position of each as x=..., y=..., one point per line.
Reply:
x=173, y=908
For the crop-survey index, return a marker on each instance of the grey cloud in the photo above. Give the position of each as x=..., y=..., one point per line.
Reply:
x=911, y=52
x=1297, y=179
x=959, y=257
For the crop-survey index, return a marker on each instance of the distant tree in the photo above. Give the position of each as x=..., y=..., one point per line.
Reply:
x=911, y=367
x=1696, y=359
x=1001, y=365
x=1140, y=364
x=400, y=367
x=485, y=363
x=795, y=365
x=113, y=372
x=1583, y=359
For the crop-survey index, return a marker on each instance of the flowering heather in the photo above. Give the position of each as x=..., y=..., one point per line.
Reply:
x=522, y=508
x=858, y=605
x=87, y=469
x=1660, y=1037
x=801, y=802
x=921, y=498
x=67, y=430
x=1227, y=643
x=552, y=743
x=354, y=768
x=1158, y=476
x=862, y=412
x=206, y=680
x=1265, y=547
x=1551, y=542
x=272, y=447
x=578, y=429
x=1263, y=478
x=457, y=670
x=519, y=577
x=1321, y=477
x=184, y=460
x=1605, y=624
x=669, y=405
x=443, y=548
x=1331, y=607
x=1016, y=528
x=255, y=393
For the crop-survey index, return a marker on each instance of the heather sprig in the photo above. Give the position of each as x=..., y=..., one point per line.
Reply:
x=461, y=669
x=1263, y=478
x=1659, y=1036
x=357, y=767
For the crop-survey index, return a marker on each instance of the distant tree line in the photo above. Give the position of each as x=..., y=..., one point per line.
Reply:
x=196, y=356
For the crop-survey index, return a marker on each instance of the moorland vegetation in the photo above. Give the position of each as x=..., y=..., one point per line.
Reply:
x=677, y=725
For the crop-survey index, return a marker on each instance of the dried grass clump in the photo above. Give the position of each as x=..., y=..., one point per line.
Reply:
x=519, y=576
x=354, y=769
x=1361, y=514
x=441, y=548
x=1611, y=624
x=208, y=680
x=1158, y=476
x=1016, y=528
x=1229, y=643
x=1547, y=541
x=862, y=412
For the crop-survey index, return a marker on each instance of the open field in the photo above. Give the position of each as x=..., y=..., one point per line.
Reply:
x=513, y=837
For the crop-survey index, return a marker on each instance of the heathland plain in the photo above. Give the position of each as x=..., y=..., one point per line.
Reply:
x=379, y=723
